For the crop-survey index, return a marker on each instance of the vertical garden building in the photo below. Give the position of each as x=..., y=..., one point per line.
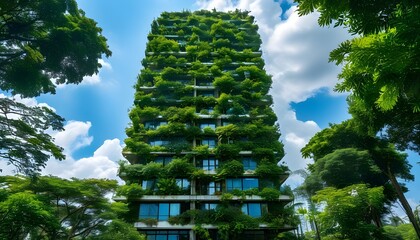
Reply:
x=203, y=146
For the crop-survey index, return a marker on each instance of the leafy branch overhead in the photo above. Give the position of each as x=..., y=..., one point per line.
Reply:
x=46, y=41
x=42, y=44
x=24, y=142
x=380, y=65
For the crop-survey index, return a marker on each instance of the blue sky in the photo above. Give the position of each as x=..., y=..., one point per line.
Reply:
x=295, y=50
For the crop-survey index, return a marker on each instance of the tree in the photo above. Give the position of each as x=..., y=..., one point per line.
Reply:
x=24, y=142
x=380, y=65
x=21, y=213
x=347, y=213
x=42, y=43
x=54, y=208
x=384, y=163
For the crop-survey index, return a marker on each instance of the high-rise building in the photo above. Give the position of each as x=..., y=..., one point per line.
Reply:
x=203, y=146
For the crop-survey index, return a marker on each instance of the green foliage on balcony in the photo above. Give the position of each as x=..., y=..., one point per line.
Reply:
x=180, y=168
x=226, y=83
x=270, y=194
x=175, y=114
x=270, y=170
x=227, y=152
x=162, y=44
x=130, y=191
x=231, y=168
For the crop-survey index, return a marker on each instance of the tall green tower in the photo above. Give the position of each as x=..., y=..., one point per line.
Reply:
x=203, y=146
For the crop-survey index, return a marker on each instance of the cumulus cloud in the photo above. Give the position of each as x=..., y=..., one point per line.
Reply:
x=74, y=136
x=296, y=52
x=103, y=163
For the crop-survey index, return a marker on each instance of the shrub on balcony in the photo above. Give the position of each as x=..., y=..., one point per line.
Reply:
x=152, y=170
x=180, y=168
x=231, y=168
x=130, y=191
x=269, y=194
x=226, y=133
x=169, y=73
x=201, y=232
x=145, y=78
x=178, y=145
x=184, y=115
x=225, y=83
x=208, y=131
x=269, y=170
x=162, y=44
x=146, y=113
x=264, y=154
x=168, y=131
x=227, y=151
x=200, y=174
x=167, y=186
x=149, y=221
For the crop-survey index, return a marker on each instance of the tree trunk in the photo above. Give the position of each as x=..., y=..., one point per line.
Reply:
x=404, y=201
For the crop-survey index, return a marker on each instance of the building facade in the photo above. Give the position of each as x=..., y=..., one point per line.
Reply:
x=203, y=147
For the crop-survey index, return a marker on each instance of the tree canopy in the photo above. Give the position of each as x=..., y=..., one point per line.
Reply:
x=381, y=69
x=44, y=43
x=54, y=208
x=380, y=65
x=24, y=142
x=344, y=157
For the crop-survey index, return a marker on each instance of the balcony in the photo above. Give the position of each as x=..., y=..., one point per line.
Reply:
x=207, y=198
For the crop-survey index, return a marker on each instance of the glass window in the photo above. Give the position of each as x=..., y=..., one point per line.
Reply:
x=210, y=164
x=159, y=211
x=149, y=184
x=167, y=235
x=249, y=164
x=149, y=210
x=241, y=183
x=234, y=183
x=175, y=209
x=163, y=211
x=158, y=143
x=213, y=188
x=208, y=206
x=183, y=183
x=210, y=142
x=249, y=183
x=210, y=125
x=252, y=209
x=164, y=160
x=154, y=125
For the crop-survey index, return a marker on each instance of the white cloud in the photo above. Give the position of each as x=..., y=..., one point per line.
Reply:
x=105, y=65
x=111, y=149
x=74, y=136
x=103, y=163
x=296, y=54
x=91, y=80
